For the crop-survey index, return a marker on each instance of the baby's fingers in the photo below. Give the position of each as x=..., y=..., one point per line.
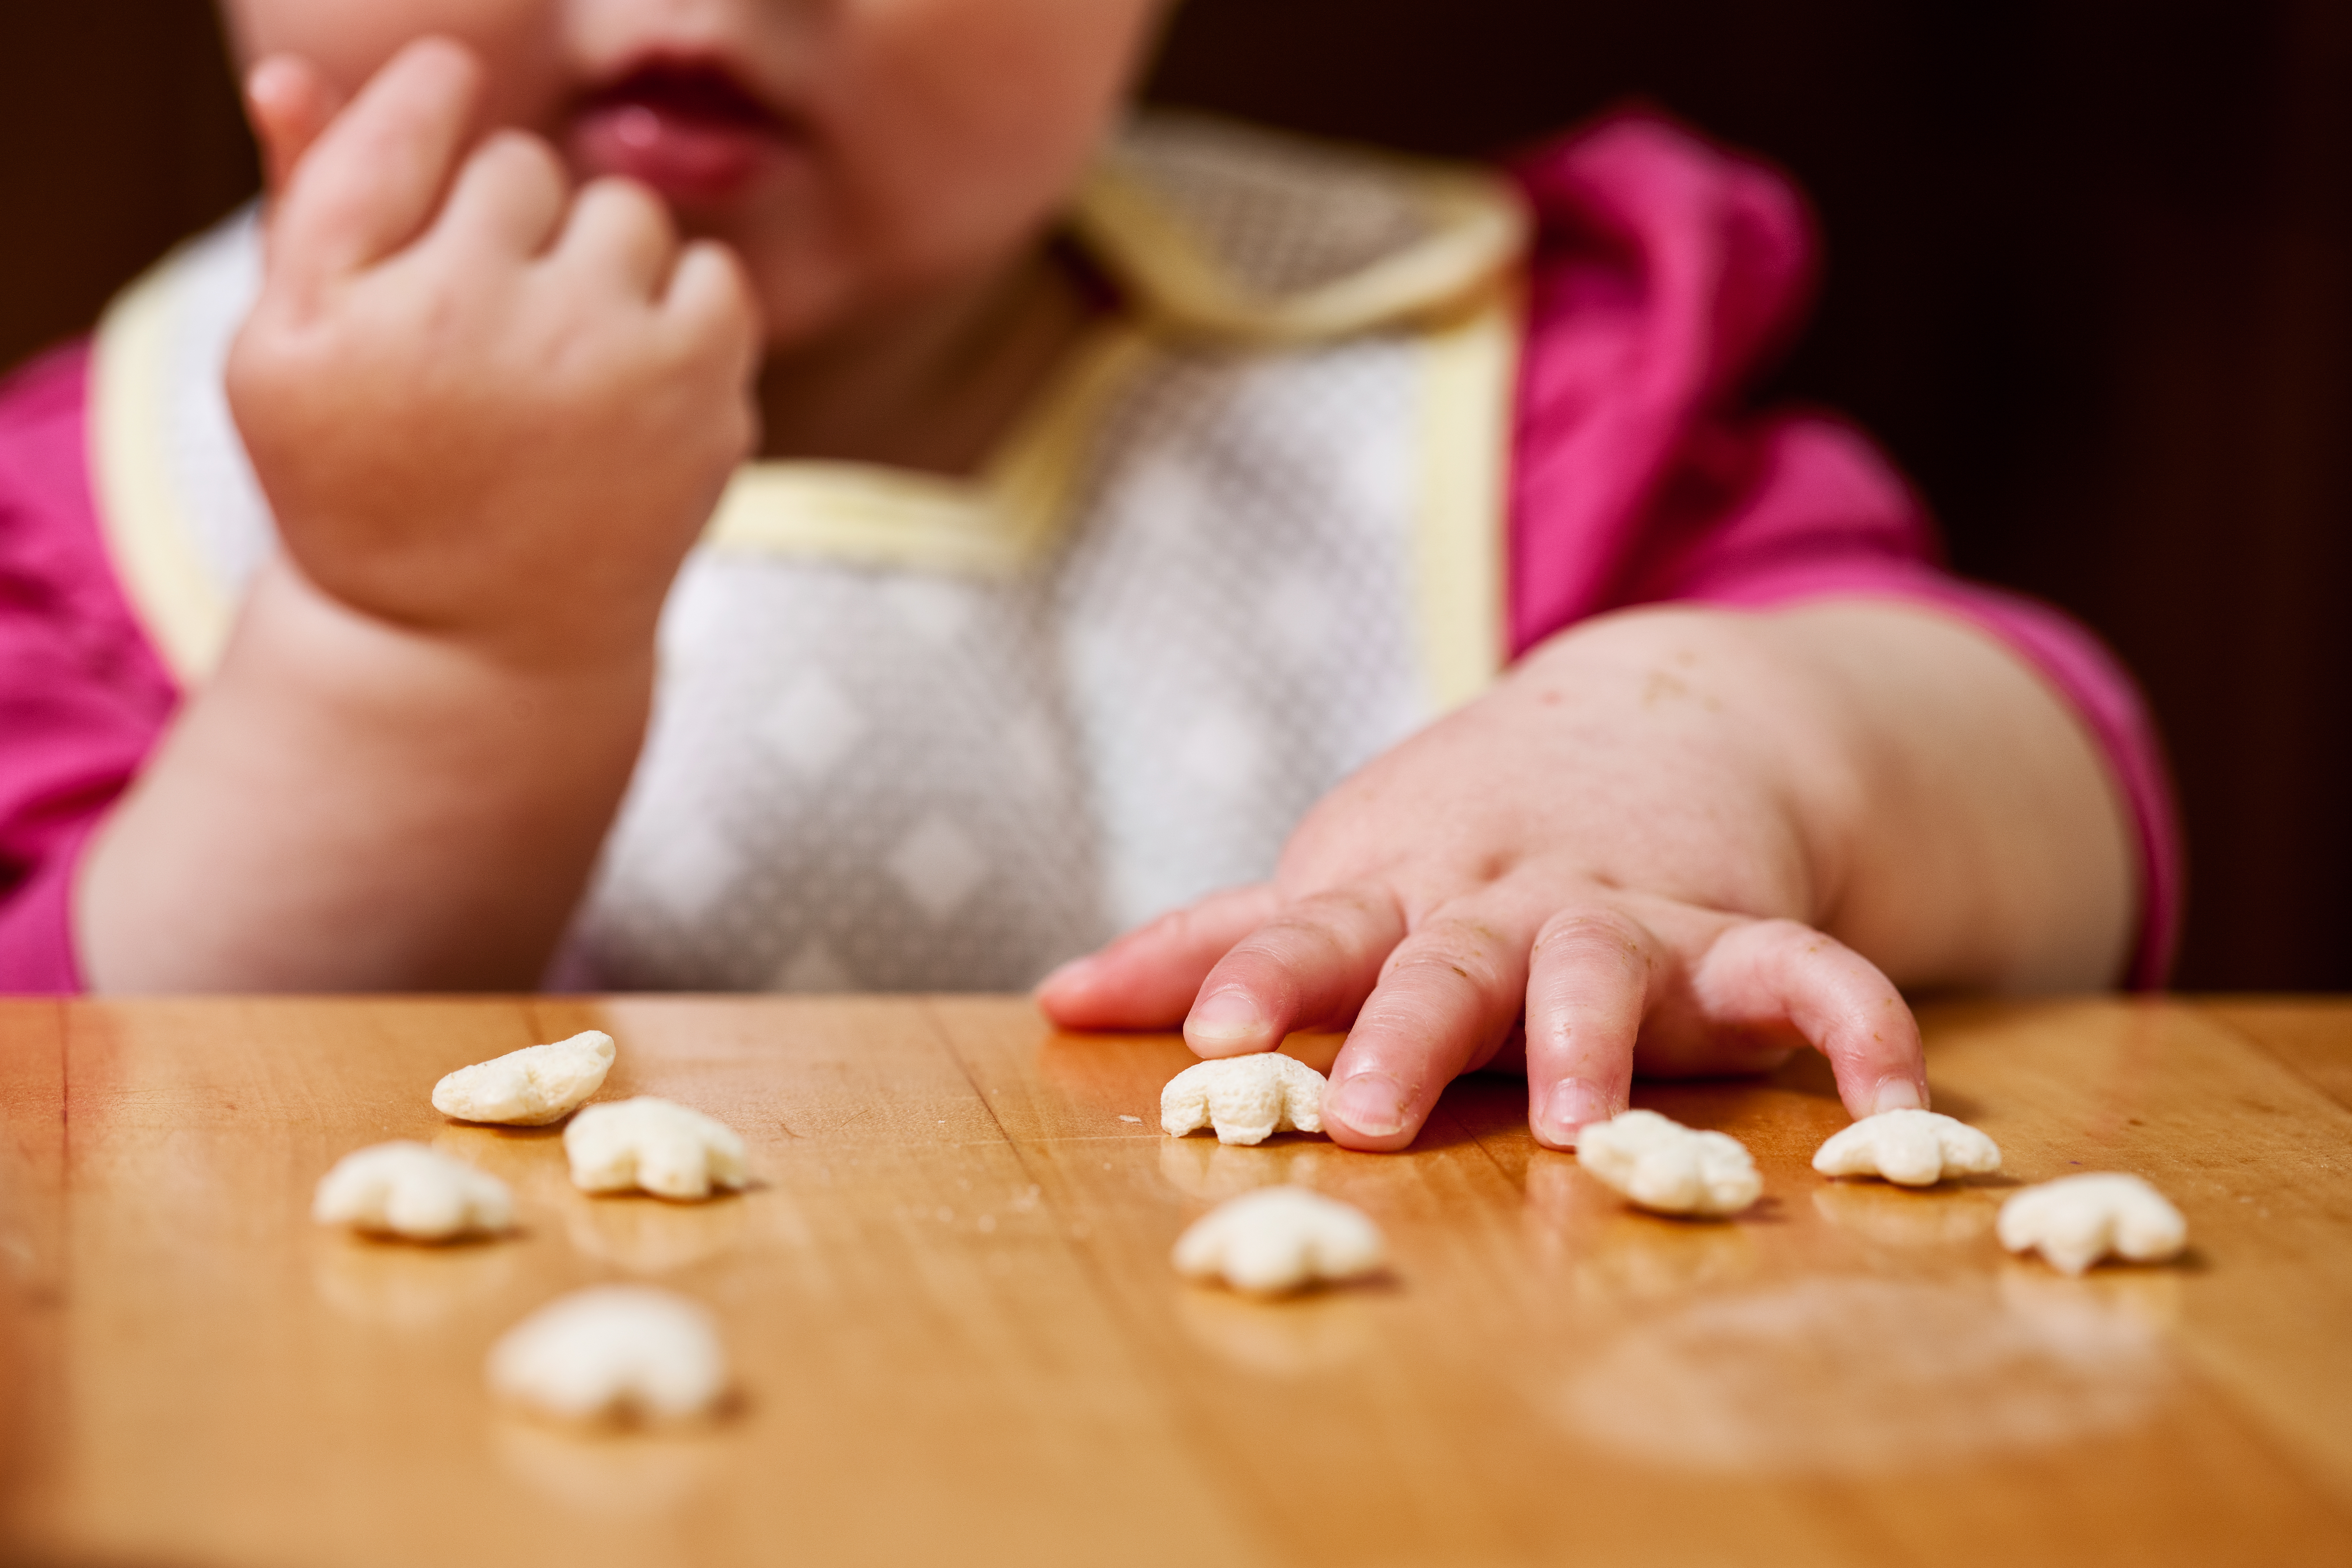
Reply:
x=1777, y=975
x=1588, y=985
x=289, y=104
x=711, y=300
x=1447, y=998
x=1148, y=979
x=373, y=177
x=620, y=230
x=505, y=203
x=1313, y=963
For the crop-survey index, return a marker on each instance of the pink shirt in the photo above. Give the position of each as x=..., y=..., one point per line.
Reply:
x=1666, y=273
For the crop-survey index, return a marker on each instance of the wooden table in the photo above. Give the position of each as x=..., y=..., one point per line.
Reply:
x=960, y=1340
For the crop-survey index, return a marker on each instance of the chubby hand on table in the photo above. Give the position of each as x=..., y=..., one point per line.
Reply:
x=1680, y=841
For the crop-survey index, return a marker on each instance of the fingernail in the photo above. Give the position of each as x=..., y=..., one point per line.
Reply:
x=1067, y=974
x=1572, y=1106
x=1229, y=1018
x=1371, y=1102
x=1898, y=1094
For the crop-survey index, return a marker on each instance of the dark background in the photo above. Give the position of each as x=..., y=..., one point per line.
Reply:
x=2090, y=279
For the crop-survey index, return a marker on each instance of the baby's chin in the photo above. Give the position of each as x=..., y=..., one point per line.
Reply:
x=822, y=278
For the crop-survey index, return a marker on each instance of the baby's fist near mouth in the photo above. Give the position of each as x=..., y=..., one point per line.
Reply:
x=483, y=407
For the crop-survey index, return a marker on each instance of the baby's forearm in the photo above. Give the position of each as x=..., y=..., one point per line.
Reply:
x=1973, y=837
x=348, y=806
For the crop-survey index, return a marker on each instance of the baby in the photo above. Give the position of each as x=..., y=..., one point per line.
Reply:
x=745, y=494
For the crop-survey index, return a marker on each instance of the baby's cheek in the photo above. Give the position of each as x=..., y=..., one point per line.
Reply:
x=520, y=42
x=948, y=133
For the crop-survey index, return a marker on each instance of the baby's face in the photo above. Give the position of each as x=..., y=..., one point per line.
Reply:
x=855, y=153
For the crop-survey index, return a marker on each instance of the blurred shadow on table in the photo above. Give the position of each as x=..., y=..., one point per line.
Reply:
x=646, y=1235
x=609, y=1475
x=1322, y=1331
x=406, y=1287
x=1209, y=1171
x=1897, y=1216
x=1615, y=1256
x=1860, y=1376
x=2089, y=1305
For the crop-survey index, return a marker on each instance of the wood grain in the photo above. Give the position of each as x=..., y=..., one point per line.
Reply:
x=949, y=1304
x=2306, y=1033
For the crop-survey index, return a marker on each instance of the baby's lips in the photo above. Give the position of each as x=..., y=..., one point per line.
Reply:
x=691, y=132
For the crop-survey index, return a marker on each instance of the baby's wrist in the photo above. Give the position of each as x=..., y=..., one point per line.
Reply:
x=544, y=633
x=351, y=803
x=325, y=642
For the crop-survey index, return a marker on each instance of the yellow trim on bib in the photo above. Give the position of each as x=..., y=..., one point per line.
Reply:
x=1469, y=373
x=867, y=515
x=185, y=612
x=1476, y=231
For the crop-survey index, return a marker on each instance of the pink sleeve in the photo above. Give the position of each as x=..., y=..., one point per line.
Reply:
x=82, y=695
x=1667, y=273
